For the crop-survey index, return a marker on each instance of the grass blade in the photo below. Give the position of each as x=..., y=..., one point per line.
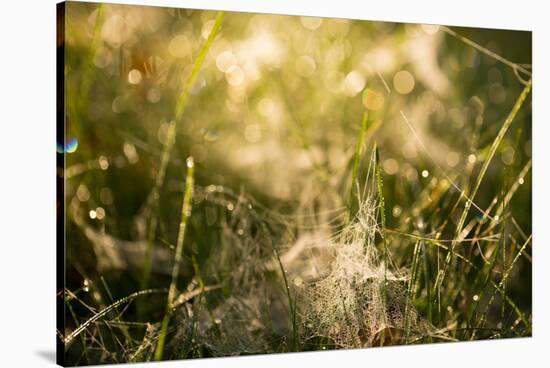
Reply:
x=185, y=215
x=480, y=177
x=170, y=141
x=356, y=161
x=69, y=338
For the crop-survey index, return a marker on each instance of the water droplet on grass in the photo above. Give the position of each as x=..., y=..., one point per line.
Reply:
x=86, y=285
x=134, y=76
x=190, y=163
x=82, y=193
x=103, y=162
x=396, y=211
x=100, y=213
x=403, y=82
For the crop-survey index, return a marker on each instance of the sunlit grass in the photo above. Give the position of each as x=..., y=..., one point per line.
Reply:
x=341, y=193
x=185, y=214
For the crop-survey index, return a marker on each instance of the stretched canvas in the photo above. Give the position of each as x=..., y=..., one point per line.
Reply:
x=232, y=183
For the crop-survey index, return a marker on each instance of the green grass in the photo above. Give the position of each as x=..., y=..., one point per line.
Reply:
x=185, y=215
x=70, y=337
x=169, y=144
x=471, y=196
x=292, y=227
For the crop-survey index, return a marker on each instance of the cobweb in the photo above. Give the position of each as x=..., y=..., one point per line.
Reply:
x=362, y=301
x=355, y=297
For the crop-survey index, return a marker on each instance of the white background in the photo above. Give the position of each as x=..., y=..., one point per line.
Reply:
x=27, y=181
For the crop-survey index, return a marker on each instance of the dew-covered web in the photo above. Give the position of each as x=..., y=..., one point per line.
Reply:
x=362, y=298
x=342, y=287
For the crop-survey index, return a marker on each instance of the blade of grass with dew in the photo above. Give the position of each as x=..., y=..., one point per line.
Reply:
x=410, y=289
x=492, y=265
x=426, y=272
x=505, y=277
x=188, y=295
x=185, y=214
x=356, y=161
x=485, y=283
x=103, y=312
x=77, y=324
x=169, y=143
x=503, y=281
x=459, y=256
x=388, y=259
x=291, y=304
x=202, y=286
x=124, y=329
x=381, y=206
x=153, y=220
x=480, y=177
x=496, y=287
x=486, y=51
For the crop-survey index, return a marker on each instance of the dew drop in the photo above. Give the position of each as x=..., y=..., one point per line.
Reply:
x=82, y=193
x=403, y=82
x=134, y=76
x=131, y=153
x=190, y=163
x=86, y=286
x=396, y=211
x=100, y=213
x=103, y=162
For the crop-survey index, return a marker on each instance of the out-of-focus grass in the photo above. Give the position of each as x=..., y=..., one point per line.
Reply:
x=309, y=136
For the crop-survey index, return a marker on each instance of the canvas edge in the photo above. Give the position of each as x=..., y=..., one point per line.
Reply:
x=60, y=181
